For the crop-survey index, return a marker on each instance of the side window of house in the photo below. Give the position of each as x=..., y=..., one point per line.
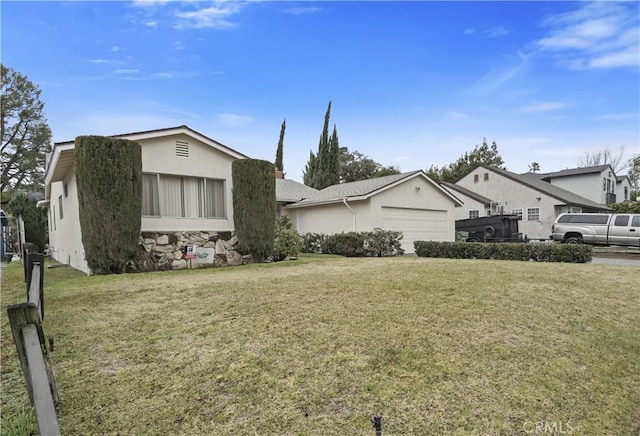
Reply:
x=517, y=212
x=533, y=214
x=475, y=178
x=60, y=206
x=486, y=176
x=53, y=208
x=66, y=190
x=474, y=214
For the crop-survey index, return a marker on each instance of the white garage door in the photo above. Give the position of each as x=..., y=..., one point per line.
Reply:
x=416, y=225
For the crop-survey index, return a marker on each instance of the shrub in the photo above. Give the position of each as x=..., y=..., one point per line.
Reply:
x=524, y=252
x=109, y=179
x=35, y=219
x=312, y=242
x=344, y=244
x=254, y=206
x=385, y=243
x=626, y=207
x=353, y=244
x=287, y=241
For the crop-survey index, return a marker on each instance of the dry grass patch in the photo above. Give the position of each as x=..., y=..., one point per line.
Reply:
x=437, y=346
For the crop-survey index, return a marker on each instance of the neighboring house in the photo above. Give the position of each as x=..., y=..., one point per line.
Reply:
x=597, y=183
x=537, y=201
x=410, y=202
x=475, y=205
x=186, y=187
x=623, y=189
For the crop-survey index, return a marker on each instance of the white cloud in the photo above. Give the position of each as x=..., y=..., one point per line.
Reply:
x=172, y=75
x=115, y=49
x=126, y=71
x=469, y=31
x=98, y=61
x=151, y=23
x=597, y=35
x=214, y=17
x=545, y=106
x=500, y=76
x=233, y=119
x=301, y=10
x=495, y=32
x=178, y=45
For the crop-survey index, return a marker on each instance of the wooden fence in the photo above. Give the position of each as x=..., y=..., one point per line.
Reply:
x=26, y=326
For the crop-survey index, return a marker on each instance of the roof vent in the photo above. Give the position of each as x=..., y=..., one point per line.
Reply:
x=182, y=149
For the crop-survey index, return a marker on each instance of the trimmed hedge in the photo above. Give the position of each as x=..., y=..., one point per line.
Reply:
x=573, y=253
x=254, y=206
x=109, y=179
x=355, y=244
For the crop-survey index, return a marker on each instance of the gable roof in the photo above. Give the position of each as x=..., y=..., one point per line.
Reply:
x=572, y=172
x=62, y=156
x=482, y=199
x=556, y=192
x=364, y=189
x=290, y=191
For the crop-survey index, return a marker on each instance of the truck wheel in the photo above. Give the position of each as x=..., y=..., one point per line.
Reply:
x=474, y=240
x=489, y=231
x=574, y=240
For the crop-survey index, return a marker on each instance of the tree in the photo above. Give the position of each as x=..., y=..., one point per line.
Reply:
x=278, y=162
x=35, y=219
x=323, y=168
x=254, y=206
x=483, y=154
x=534, y=167
x=356, y=166
x=634, y=176
x=26, y=137
x=109, y=179
x=605, y=157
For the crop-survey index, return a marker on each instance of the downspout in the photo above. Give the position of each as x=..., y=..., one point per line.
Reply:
x=344, y=200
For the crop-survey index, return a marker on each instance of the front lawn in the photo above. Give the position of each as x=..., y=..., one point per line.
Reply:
x=321, y=345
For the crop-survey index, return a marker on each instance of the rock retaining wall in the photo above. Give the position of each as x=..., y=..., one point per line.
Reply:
x=165, y=250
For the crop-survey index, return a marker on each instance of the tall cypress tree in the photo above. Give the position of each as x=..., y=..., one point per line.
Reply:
x=278, y=162
x=323, y=168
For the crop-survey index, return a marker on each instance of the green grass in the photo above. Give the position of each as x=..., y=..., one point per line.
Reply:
x=320, y=345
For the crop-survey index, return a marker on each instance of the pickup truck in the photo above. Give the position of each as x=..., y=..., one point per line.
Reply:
x=597, y=229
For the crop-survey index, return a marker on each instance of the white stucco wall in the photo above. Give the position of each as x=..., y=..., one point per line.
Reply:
x=159, y=156
x=462, y=213
x=331, y=218
x=513, y=195
x=65, y=239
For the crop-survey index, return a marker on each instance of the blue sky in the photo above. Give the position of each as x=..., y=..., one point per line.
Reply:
x=413, y=84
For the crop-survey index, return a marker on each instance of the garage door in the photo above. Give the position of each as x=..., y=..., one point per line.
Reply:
x=416, y=225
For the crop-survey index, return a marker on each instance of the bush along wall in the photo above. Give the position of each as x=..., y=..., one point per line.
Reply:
x=355, y=244
x=254, y=206
x=572, y=253
x=109, y=179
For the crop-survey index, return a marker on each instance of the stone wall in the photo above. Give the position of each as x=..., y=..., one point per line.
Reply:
x=164, y=250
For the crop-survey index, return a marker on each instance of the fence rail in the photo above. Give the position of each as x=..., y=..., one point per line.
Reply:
x=25, y=320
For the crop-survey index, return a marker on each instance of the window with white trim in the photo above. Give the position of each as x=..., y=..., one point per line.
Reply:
x=474, y=213
x=517, y=211
x=60, y=206
x=533, y=214
x=171, y=196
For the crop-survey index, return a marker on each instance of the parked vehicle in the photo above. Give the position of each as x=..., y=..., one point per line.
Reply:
x=495, y=228
x=597, y=229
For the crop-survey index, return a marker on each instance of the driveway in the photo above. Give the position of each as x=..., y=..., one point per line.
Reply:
x=615, y=261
